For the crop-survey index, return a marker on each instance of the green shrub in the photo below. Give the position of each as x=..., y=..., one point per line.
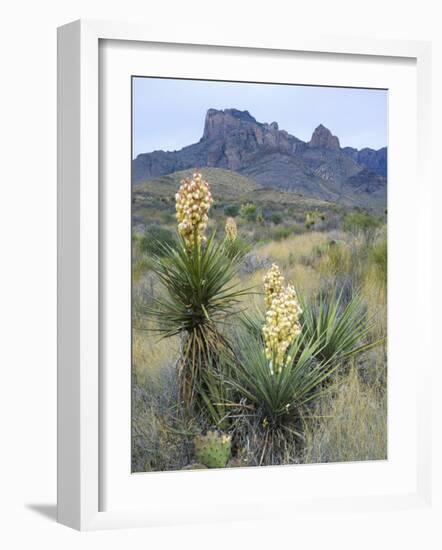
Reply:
x=360, y=221
x=155, y=239
x=248, y=211
x=231, y=210
x=275, y=218
x=168, y=218
x=281, y=233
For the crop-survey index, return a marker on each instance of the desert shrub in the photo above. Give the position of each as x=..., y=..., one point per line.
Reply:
x=311, y=218
x=317, y=252
x=231, y=210
x=331, y=222
x=281, y=233
x=360, y=221
x=297, y=229
x=336, y=258
x=168, y=218
x=155, y=240
x=249, y=212
x=275, y=218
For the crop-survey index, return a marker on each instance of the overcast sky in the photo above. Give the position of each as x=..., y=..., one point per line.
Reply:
x=169, y=114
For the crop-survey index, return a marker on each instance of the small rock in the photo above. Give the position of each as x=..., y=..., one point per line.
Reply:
x=195, y=466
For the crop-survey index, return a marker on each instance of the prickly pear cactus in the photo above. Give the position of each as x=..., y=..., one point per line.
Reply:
x=213, y=449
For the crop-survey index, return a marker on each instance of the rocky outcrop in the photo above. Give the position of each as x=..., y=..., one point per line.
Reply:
x=372, y=159
x=322, y=138
x=235, y=140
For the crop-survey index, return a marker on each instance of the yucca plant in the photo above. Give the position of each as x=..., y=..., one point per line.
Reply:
x=199, y=296
x=280, y=396
x=197, y=276
x=234, y=245
x=341, y=330
x=279, y=370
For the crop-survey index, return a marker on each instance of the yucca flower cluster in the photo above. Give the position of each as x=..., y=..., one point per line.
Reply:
x=193, y=202
x=282, y=324
x=231, y=230
x=273, y=284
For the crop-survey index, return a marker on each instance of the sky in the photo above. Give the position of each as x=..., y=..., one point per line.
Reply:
x=169, y=114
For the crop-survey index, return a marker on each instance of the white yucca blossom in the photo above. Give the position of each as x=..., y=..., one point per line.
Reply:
x=273, y=284
x=281, y=326
x=231, y=229
x=193, y=202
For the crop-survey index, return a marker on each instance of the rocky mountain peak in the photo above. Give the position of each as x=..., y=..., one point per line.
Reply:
x=218, y=123
x=322, y=138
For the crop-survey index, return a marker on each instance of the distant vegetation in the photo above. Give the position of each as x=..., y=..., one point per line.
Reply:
x=155, y=239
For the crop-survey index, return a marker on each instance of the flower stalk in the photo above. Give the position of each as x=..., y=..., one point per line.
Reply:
x=282, y=321
x=231, y=230
x=192, y=204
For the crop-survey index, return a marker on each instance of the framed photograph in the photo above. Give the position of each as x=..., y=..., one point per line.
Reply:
x=238, y=276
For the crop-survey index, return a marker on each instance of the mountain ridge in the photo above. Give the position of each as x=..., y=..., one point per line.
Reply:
x=235, y=140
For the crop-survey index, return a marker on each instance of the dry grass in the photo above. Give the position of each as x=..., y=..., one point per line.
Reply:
x=304, y=278
x=353, y=424
x=291, y=250
x=150, y=354
x=337, y=259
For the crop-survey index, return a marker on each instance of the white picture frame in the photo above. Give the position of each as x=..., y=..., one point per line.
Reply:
x=80, y=394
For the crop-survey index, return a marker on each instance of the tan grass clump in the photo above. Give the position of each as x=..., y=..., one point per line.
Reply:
x=150, y=355
x=352, y=424
x=292, y=248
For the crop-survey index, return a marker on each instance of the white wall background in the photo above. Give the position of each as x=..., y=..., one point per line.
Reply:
x=28, y=266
